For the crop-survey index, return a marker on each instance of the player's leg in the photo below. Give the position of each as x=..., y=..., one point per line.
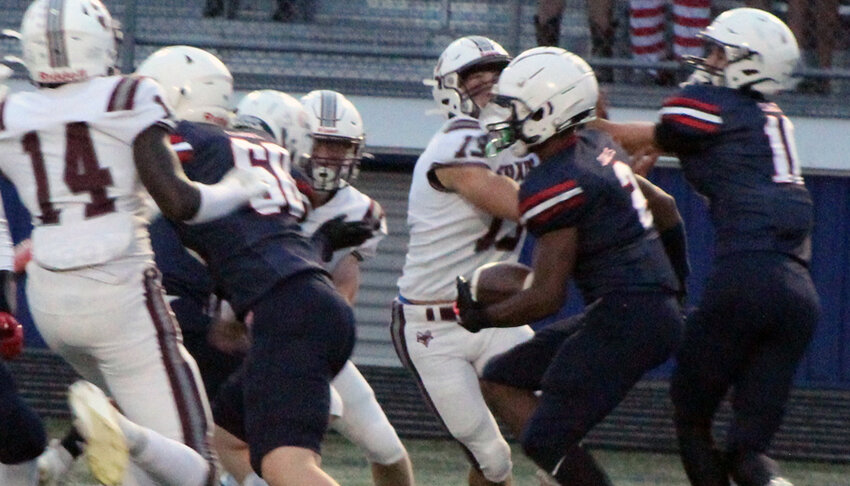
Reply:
x=295, y=352
x=785, y=312
x=624, y=337
x=22, y=435
x=364, y=423
x=717, y=336
x=123, y=327
x=509, y=379
x=439, y=354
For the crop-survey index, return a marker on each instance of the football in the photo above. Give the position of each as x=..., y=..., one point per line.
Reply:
x=495, y=282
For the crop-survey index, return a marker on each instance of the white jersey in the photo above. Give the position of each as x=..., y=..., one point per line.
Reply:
x=7, y=251
x=357, y=207
x=448, y=235
x=69, y=153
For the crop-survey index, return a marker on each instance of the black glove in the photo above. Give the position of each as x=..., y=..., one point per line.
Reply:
x=336, y=233
x=470, y=313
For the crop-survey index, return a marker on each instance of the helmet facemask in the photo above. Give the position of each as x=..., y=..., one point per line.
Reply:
x=333, y=163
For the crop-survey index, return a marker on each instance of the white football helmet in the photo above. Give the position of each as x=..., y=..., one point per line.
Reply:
x=761, y=51
x=332, y=119
x=279, y=114
x=197, y=85
x=66, y=41
x=461, y=57
x=544, y=91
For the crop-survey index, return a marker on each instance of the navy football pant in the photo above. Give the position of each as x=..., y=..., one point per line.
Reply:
x=302, y=335
x=585, y=366
x=757, y=316
x=22, y=435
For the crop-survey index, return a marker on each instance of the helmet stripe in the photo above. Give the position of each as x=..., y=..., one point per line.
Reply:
x=56, y=48
x=328, y=116
x=484, y=45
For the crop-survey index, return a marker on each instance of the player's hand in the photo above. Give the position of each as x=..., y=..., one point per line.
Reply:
x=470, y=313
x=644, y=159
x=11, y=336
x=252, y=182
x=23, y=255
x=336, y=233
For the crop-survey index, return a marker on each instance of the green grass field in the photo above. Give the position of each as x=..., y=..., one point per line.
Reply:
x=441, y=463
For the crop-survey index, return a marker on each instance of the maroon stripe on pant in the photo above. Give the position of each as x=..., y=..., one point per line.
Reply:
x=2, y=109
x=400, y=344
x=184, y=388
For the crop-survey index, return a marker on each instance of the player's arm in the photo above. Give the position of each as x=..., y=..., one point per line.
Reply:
x=11, y=332
x=554, y=261
x=670, y=226
x=159, y=169
x=346, y=277
x=633, y=136
x=179, y=198
x=490, y=192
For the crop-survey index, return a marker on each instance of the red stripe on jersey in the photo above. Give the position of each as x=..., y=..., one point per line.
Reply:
x=646, y=12
x=693, y=3
x=545, y=216
x=692, y=103
x=687, y=41
x=175, y=139
x=113, y=98
x=185, y=155
x=698, y=22
x=536, y=199
x=128, y=105
x=693, y=123
x=462, y=125
x=2, y=110
x=646, y=31
x=657, y=47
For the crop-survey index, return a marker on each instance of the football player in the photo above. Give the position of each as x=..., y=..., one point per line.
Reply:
x=80, y=150
x=591, y=223
x=461, y=212
x=22, y=434
x=328, y=154
x=260, y=262
x=759, y=309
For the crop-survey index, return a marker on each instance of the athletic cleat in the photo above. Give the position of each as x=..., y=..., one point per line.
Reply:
x=97, y=421
x=53, y=464
x=545, y=479
x=779, y=482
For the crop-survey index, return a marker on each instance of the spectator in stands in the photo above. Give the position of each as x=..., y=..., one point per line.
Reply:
x=215, y=8
x=815, y=23
x=647, y=32
x=547, y=28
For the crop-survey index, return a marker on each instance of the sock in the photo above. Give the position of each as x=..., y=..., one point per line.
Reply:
x=23, y=474
x=169, y=461
x=253, y=480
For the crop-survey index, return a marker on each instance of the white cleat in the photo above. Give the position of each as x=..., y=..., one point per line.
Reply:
x=545, y=479
x=53, y=464
x=779, y=482
x=97, y=421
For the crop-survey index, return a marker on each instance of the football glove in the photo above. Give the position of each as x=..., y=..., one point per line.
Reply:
x=335, y=234
x=11, y=336
x=470, y=313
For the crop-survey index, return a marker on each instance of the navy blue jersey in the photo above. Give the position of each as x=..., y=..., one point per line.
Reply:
x=738, y=150
x=249, y=251
x=587, y=187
